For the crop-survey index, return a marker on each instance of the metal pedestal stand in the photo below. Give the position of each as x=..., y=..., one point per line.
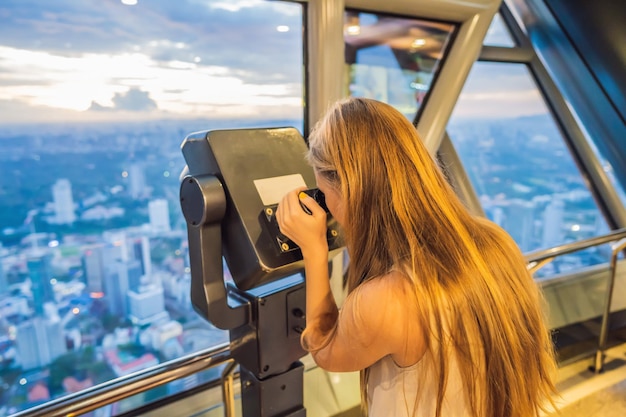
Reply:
x=264, y=323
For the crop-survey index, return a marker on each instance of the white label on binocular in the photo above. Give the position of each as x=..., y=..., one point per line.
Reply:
x=271, y=190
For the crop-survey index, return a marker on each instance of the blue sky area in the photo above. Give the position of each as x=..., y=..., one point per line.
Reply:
x=87, y=59
x=99, y=60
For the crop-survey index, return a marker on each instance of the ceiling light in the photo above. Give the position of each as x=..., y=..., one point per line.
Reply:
x=353, y=30
x=417, y=43
x=352, y=24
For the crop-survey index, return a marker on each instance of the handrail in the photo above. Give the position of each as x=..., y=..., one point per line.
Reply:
x=135, y=383
x=539, y=258
x=604, y=329
x=141, y=381
x=228, y=392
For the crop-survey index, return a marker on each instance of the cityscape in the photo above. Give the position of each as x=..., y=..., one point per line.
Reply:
x=94, y=271
x=529, y=184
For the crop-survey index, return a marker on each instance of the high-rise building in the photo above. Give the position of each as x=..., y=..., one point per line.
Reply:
x=39, y=341
x=63, y=202
x=519, y=223
x=117, y=239
x=141, y=252
x=137, y=181
x=135, y=274
x=39, y=263
x=159, y=213
x=553, y=224
x=120, y=278
x=93, y=268
x=147, y=304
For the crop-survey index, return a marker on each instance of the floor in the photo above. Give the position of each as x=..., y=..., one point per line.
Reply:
x=584, y=393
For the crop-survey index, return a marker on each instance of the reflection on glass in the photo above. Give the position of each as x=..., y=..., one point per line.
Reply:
x=498, y=34
x=620, y=189
x=394, y=59
x=96, y=100
x=520, y=167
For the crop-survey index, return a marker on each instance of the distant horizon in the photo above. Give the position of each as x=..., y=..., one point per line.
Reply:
x=246, y=121
x=61, y=116
x=146, y=121
x=195, y=124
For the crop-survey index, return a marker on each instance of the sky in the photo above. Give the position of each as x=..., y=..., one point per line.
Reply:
x=94, y=60
x=100, y=59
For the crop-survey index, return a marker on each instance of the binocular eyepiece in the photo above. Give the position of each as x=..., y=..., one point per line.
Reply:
x=319, y=197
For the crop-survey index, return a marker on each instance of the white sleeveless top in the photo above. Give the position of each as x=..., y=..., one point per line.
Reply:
x=393, y=390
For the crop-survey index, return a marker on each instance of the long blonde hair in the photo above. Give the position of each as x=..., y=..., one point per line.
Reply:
x=400, y=211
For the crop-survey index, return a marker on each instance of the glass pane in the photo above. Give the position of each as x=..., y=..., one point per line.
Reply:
x=498, y=34
x=620, y=189
x=394, y=59
x=520, y=167
x=95, y=102
x=608, y=168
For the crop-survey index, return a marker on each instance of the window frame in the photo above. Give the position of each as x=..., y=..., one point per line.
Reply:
x=590, y=167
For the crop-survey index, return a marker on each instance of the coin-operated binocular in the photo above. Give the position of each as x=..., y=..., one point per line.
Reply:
x=229, y=192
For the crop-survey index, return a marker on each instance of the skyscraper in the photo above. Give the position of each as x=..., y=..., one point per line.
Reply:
x=120, y=278
x=159, y=215
x=520, y=223
x=63, y=202
x=39, y=264
x=118, y=240
x=39, y=341
x=137, y=181
x=553, y=224
x=93, y=267
x=147, y=304
x=141, y=252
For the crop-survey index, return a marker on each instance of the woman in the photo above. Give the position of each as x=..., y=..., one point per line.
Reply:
x=442, y=316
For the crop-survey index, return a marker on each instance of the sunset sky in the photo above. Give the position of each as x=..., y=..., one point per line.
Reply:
x=93, y=59
x=68, y=60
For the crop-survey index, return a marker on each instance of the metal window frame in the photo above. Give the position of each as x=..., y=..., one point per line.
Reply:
x=514, y=15
x=599, y=183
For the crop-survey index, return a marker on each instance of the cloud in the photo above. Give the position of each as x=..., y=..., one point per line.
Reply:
x=241, y=36
x=159, y=55
x=133, y=100
x=95, y=106
x=499, y=90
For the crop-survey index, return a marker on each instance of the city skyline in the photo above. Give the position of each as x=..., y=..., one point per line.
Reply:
x=116, y=298
x=96, y=97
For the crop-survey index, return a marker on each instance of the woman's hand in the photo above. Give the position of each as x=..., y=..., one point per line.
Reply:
x=308, y=231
